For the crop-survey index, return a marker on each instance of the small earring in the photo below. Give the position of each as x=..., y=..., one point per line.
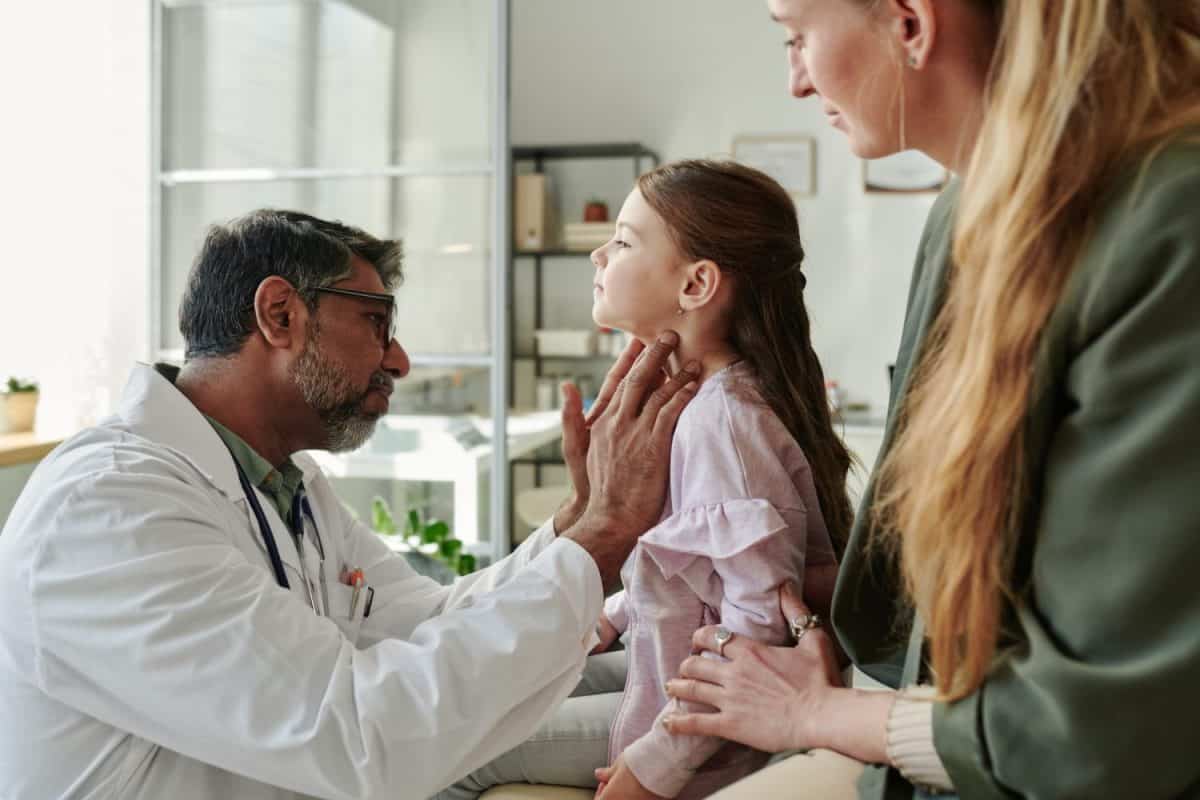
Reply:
x=680, y=312
x=912, y=61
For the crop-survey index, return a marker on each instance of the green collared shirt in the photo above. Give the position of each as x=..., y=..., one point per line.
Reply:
x=280, y=485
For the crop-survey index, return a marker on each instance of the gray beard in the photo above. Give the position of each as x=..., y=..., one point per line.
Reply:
x=328, y=390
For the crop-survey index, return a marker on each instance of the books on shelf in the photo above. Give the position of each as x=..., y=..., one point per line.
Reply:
x=586, y=236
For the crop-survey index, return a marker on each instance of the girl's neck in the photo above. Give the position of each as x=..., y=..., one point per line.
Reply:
x=712, y=357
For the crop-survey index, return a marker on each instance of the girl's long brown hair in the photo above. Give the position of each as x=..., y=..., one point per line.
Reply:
x=746, y=223
x=1080, y=91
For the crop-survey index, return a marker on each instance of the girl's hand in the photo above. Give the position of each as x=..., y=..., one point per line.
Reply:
x=576, y=439
x=607, y=633
x=618, y=783
x=771, y=698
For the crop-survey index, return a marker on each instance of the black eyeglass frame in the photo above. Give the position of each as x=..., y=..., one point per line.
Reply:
x=390, y=300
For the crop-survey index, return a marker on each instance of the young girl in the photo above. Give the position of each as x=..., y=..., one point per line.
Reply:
x=757, y=494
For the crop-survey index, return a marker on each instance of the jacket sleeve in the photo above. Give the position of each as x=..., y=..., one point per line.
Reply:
x=1098, y=700
x=148, y=618
x=752, y=549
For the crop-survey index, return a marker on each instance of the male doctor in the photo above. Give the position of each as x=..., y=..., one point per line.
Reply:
x=175, y=620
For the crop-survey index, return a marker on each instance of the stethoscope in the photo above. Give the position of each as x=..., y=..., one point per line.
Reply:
x=300, y=510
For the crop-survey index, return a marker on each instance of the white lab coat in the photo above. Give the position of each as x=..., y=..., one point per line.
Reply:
x=146, y=650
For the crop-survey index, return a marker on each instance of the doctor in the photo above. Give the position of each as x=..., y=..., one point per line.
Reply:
x=174, y=617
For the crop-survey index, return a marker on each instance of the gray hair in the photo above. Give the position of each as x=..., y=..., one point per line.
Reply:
x=216, y=315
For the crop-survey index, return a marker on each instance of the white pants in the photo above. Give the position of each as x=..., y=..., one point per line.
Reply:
x=568, y=747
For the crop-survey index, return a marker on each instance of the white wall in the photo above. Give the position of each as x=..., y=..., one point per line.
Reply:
x=74, y=155
x=685, y=77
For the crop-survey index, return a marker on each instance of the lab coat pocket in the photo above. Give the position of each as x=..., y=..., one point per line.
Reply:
x=346, y=610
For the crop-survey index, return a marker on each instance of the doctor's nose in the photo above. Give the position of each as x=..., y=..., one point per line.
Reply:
x=395, y=360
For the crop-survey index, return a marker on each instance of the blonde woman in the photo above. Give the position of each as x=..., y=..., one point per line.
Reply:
x=1037, y=501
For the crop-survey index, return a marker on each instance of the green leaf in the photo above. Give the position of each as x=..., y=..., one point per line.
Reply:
x=449, y=550
x=466, y=564
x=435, y=531
x=414, y=522
x=381, y=517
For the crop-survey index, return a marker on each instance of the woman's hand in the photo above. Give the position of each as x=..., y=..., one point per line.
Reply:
x=771, y=698
x=618, y=783
x=607, y=633
x=576, y=438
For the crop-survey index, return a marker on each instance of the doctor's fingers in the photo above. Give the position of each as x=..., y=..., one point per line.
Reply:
x=667, y=402
x=646, y=376
x=613, y=379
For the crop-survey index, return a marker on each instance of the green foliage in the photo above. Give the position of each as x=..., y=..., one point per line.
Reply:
x=16, y=385
x=381, y=517
x=432, y=536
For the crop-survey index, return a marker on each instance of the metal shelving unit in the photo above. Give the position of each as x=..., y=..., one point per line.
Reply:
x=640, y=158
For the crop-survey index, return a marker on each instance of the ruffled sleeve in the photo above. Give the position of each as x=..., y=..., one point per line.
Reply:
x=716, y=532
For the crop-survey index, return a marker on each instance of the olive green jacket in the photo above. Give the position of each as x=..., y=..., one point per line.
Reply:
x=1100, y=695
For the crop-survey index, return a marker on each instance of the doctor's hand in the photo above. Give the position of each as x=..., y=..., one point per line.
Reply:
x=575, y=449
x=629, y=451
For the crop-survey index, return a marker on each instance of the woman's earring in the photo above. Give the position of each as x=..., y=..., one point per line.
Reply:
x=912, y=61
x=680, y=312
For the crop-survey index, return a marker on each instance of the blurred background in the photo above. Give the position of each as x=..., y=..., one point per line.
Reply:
x=497, y=138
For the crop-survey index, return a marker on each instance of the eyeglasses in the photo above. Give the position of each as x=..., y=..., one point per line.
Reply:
x=385, y=324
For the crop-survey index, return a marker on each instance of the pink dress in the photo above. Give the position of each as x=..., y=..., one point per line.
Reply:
x=741, y=518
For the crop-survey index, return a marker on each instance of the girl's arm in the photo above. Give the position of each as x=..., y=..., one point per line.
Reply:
x=751, y=578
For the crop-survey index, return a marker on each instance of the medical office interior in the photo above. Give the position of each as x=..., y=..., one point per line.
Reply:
x=497, y=138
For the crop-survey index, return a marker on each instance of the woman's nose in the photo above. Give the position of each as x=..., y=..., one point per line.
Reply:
x=598, y=257
x=798, y=83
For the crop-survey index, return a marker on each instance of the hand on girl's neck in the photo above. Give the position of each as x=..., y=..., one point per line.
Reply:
x=712, y=354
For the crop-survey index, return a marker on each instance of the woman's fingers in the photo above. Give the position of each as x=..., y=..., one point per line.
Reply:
x=790, y=602
x=695, y=690
x=703, y=668
x=696, y=724
x=614, y=377
x=706, y=639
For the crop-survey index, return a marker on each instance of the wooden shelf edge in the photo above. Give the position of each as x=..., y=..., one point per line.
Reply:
x=24, y=448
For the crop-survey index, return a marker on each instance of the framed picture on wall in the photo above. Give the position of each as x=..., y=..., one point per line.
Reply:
x=904, y=173
x=789, y=159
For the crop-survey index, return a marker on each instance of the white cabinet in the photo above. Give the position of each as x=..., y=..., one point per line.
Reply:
x=864, y=441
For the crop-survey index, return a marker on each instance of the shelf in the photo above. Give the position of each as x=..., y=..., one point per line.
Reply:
x=24, y=448
x=552, y=253
x=620, y=150
x=537, y=462
x=535, y=357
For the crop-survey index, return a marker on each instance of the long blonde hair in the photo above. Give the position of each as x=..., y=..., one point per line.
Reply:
x=1079, y=90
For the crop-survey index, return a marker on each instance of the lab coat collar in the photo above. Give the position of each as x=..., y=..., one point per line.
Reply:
x=155, y=409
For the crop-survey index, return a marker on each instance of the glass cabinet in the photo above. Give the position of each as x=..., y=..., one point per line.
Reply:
x=390, y=115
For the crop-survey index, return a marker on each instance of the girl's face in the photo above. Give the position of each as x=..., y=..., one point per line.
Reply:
x=839, y=51
x=638, y=273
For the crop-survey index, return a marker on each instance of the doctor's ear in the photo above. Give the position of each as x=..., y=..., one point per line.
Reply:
x=702, y=281
x=277, y=311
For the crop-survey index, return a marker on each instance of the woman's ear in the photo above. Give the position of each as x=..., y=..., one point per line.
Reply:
x=702, y=281
x=913, y=28
x=277, y=312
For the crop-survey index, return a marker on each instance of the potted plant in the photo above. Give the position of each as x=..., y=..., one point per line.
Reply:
x=427, y=544
x=596, y=210
x=18, y=406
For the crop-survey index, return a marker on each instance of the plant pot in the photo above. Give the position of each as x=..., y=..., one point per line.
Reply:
x=17, y=411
